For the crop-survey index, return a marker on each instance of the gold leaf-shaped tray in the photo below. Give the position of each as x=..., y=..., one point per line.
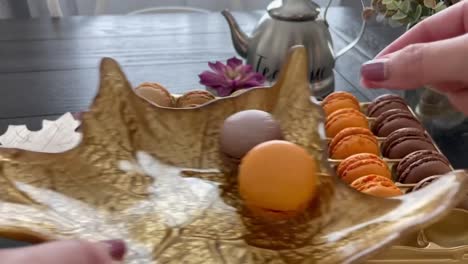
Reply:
x=154, y=177
x=446, y=241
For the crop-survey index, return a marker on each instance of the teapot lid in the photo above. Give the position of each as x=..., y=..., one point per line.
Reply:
x=294, y=10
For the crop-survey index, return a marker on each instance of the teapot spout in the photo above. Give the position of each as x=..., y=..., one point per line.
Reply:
x=239, y=38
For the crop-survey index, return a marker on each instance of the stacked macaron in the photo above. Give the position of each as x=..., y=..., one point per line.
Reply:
x=353, y=140
x=277, y=179
x=340, y=100
x=396, y=139
x=405, y=140
x=369, y=174
x=357, y=146
x=384, y=103
x=160, y=96
x=433, y=179
x=394, y=119
x=401, y=130
x=347, y=127
x=360, y=165
x=421, y=165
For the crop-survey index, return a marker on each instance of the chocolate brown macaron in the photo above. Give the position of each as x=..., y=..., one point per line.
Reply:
x=384, y=103
x=392, y=120
x=420, y=165
x=405, y=141
x=429, y=180
x=423, y=183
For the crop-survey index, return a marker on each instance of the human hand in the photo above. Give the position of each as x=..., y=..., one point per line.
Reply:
x=433, y=53
x=70, y=252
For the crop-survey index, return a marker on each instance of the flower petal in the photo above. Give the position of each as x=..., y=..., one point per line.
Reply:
x=225, y=91
x=218, y=67
x=245, y=69
x=212, y=79
x=234, y=62
x=252, y=80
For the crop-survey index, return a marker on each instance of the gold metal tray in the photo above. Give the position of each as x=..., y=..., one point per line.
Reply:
x=154, y=177
x=444, y=242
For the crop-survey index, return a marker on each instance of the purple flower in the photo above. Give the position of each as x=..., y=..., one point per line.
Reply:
x=226, y=79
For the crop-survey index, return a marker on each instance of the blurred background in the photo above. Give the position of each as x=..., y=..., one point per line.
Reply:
x=42, y=8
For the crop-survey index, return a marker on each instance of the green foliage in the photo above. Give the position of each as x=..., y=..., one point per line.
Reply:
x=410, y=12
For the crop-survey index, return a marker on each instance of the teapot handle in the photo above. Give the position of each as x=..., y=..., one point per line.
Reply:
x=356, y=40
x=326, y=11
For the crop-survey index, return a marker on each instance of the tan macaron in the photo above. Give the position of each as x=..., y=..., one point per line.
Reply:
x=156, y=94
x=194, y=99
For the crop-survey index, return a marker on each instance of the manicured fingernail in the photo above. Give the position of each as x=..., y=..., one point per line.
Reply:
x=117, y=249
x=374, y=70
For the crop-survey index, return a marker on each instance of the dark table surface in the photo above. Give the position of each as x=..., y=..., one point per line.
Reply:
x=50, y=66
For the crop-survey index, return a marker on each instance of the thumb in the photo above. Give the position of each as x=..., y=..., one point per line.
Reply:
x=419, y=64
x=70, y=252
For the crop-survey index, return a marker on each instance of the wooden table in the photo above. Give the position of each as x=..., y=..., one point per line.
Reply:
x=50, y=66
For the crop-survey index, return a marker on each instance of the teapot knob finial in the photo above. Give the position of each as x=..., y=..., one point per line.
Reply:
x=294, y=10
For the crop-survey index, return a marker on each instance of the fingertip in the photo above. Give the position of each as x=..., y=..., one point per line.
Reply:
x=369, y=84
x=116, y=248
x=58, y=252
x=458, y=100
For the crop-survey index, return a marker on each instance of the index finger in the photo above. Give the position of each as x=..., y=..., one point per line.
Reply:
x=449, y=23
x=70, y=252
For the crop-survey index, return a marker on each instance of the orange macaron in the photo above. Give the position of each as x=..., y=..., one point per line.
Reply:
x=339, y=100
x=376, y=185
x=278, y=178
x=353, y=140
x=344, y=118
x=362, y=164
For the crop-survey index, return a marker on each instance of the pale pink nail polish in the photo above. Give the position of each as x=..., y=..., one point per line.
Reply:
x=374, y=70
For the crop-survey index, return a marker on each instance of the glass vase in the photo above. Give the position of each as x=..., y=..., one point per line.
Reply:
x=434, y=108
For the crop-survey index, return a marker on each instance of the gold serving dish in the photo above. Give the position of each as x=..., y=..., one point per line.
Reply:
x=154, y=177
x=446, y=241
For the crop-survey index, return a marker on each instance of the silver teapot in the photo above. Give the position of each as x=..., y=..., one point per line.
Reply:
x=288, y=23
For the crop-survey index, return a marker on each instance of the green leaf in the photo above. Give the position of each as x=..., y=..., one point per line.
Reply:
x=399, y=15
x=399, y=4
x=391, y=6
x=389, y=13
x=406, y=6
x=430, y=3
x=417, y=14
x=386, y=2
x=394, y=23
x=440, y=6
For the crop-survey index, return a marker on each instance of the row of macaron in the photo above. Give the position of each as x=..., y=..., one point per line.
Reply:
x=400, y=143
x=394, y=133
x=354, y=142
x=365, y=168
x=384, y=115
x=159, y=95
